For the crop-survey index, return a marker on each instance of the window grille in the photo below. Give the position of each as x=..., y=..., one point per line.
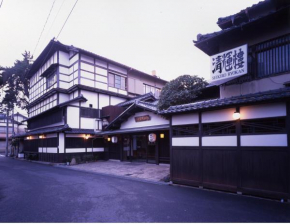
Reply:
x=185, y=130
x=260, y=126
x=221, y=128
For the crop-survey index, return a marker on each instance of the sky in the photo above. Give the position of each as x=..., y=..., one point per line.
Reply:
x=143, y=34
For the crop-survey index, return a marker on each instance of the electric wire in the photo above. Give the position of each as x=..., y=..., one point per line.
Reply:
x=43, y=27
x=54, y=20
x=66, y=19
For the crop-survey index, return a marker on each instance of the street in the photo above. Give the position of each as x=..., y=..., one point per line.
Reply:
x=31, y=192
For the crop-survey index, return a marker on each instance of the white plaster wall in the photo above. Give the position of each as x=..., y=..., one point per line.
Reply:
x=100, y=85
x=219, y=141
x=61, y=143
x=104, y=100
x=264, y=140
x=87, y=82
x=101, y=71
x=73, y=114
x=63, y=58
x=74, y=59
x=116, y=100
x=87, y=67
x=185, y=119
x=74, y=150
x=95, y=150
x=88, y=123
x=101, y=63
x=63, y=70
x=155, y=120
x=263, y=111
x=185, y=141
x=218, y=115
x=63, y=97
x=92, y=98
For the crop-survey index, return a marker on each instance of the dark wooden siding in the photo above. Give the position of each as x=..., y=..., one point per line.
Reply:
x=51, y=117
x=31, y=145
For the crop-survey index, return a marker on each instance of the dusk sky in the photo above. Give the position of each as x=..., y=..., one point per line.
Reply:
x=144, y=34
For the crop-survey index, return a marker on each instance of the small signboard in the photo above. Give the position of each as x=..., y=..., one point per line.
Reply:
x=143, y=118
x=231, y=63
x=152, y=137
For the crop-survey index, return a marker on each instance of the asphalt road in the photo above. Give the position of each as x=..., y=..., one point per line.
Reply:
x=31, y=192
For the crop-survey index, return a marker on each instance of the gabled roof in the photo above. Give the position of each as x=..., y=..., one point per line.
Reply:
x=268, y=96
x=135, y=107
x=147, y=96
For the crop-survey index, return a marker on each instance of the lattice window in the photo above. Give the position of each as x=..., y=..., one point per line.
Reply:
x=185, y=130
x=221, y=128
x=268, y=125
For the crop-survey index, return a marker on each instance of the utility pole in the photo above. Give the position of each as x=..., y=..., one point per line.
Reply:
x=7, y=128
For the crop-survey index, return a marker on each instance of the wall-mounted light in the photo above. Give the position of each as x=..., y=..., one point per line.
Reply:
x=41, y=136
x=86, y=136
x=161, y=135
x=29, y=137
x=236, y=115
x=109, y=139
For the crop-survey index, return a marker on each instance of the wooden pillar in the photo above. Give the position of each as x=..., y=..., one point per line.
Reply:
x=239, y=153
x=288, y=142
x=157, y=148
x=200, y=131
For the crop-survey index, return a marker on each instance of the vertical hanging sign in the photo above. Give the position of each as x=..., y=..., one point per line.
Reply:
x=231, y=63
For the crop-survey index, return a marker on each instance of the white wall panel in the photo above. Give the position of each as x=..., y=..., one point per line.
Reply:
x=63, y=97
x=88, y=123
x=101, y=71
x=101, y=78
x=218, y=115
x=87, y=67
x=123, y=92
x=51, y=150
x=263, y=111
x=92, y=98
x=63, y=70
x=116, y=100
x=74, y=150
x=155, y=120
x=100, y=85
x=264, y=140
x=219, y=141
x=63, y=58
x=87, y=75
x=61, y=143
x=185, y=141
x=63, y=77
x=74, y=59
x=185, y=119
x=87, y=82
x=64, y=85
x=113, y=89
x=104, y=100
x=95, y=150
x=73, y=114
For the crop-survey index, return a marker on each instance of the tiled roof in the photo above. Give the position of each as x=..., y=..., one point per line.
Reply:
x=236, y=100
x=80, y=131
x=137, y=99
x=44, y=130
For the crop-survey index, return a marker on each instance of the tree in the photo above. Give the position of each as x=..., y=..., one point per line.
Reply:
x=15, y=84
x=182, y=90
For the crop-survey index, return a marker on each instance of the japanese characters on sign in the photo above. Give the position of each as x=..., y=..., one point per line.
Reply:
x=143, y=118
x=229, y=63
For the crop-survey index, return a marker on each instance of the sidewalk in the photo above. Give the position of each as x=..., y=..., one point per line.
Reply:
x=145, y=171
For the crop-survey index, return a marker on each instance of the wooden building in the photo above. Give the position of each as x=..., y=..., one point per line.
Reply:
x=69, y=87
x=240, y=141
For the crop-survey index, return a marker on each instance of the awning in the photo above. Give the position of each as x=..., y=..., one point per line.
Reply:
x=134, y=130
x=222, y=81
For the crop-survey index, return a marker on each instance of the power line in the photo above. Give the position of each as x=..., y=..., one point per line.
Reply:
x=67, y=18
x=43, y=27
x=55, y=18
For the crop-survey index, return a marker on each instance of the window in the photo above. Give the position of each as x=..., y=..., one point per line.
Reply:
x=273, y=56
x=147, y=89
x=185, y=130
x=50, y=80
x=221, y=128
x=268, y=125
x=117, y=81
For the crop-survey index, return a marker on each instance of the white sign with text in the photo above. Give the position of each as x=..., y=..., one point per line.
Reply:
x=229, y=63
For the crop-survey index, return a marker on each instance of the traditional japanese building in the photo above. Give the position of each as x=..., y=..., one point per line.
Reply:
x=240, y=141
x=69, y=87
x=16, y=125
